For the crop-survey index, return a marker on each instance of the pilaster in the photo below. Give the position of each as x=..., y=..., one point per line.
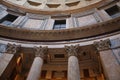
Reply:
x=3, y=11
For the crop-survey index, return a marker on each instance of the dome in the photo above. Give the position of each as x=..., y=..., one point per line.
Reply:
x=59, y=39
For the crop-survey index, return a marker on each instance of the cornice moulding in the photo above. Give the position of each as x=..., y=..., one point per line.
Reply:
x=61, y=35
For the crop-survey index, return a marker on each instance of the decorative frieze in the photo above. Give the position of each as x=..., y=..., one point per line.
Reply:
x=61, y=35
x=40, y=51
x=12, y=48
x=72, y=50
x=102, y=44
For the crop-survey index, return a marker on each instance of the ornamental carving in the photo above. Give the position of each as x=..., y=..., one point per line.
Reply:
x=12, y=48
x=72, y=50
x=102, y=44
x=40, y=51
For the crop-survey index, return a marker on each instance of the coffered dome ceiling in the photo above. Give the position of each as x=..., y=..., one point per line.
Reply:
x=52, y=5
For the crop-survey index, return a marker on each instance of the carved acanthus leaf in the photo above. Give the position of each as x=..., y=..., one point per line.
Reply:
x=103, y=44
x=12, y=48
x=72, y=50
x=40, y=51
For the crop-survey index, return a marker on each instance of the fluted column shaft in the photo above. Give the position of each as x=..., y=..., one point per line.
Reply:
x=35, y=71
x=73, y=68
x=108, y=60
x=73, y=64
x=8, y=60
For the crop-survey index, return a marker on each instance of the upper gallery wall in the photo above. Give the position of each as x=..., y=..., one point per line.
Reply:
x=79, y=23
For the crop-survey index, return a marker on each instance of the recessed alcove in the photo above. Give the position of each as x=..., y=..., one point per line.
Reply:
x=53, y=5
x=34, y=3
x=113, y=11
x=59, y=56
x=70, y=4
x=59, y=24
x=8, y=19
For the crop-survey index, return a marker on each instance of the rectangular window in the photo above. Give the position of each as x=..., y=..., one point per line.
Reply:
x=8, y=19
x=43, y=74
x=113, y=11
x=59, y=55
x=59, y=75
x=59, y=24
x=86, y=73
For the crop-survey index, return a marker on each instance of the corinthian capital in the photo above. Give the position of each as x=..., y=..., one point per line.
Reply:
x=72, y=50
x=103, y=44
x=40, y=51
x=12, y=48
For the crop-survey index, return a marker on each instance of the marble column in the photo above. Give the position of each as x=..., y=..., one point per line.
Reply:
x=8, y=60
x=73, y=64
x=35, y=71
x=108, y=60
